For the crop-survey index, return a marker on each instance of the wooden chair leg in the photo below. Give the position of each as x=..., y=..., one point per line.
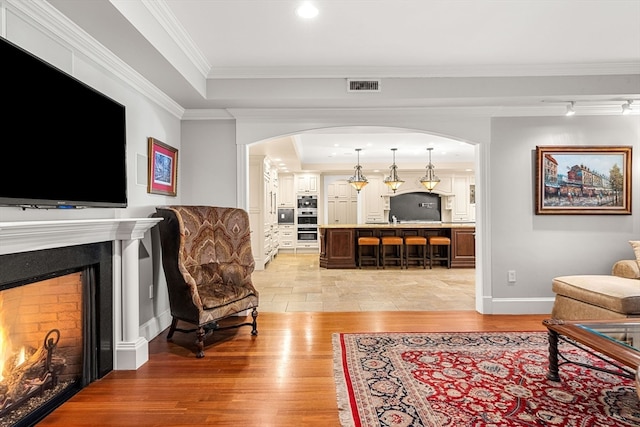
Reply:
x=172, y=329
x=200, y=342
x=254, y=324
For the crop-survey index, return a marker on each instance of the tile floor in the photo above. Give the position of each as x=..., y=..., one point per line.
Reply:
x=295, y=282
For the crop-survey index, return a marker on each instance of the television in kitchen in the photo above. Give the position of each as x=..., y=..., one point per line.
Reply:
x=64, y=143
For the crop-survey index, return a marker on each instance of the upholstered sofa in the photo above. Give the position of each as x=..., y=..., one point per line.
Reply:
x=596, y=297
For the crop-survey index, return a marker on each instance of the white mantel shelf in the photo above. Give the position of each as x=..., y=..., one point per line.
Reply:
x=131, y=350
x=27, y=236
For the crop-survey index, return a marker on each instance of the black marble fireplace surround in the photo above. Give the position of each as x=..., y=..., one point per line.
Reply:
x=95, y=261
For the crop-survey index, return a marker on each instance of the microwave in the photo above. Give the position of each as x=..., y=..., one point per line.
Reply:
x=307, y=202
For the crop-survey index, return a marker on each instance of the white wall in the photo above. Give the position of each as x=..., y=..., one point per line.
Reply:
x=209, y=162
x=540, y=247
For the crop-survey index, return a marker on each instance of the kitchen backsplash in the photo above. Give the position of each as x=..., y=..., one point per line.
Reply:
x=418, y=206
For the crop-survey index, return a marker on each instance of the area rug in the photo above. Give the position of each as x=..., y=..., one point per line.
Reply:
x=473, y=379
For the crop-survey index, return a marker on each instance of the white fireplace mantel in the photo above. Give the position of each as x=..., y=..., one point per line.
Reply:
x=131, y=350
x=27, y=236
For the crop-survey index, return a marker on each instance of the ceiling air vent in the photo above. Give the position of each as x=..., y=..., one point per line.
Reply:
x=363, y=85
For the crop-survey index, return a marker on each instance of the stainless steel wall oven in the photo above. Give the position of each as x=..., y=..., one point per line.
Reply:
x=307, y=234
x=307, y=218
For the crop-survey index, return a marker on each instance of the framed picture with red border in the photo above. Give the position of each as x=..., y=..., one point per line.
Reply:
x=163, y=168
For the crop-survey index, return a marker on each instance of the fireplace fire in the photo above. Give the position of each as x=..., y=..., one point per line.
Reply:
x=30, y=372
x=40, y=343
x=55, y=336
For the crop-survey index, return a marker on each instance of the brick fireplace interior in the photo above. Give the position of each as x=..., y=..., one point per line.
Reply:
x=56, y=327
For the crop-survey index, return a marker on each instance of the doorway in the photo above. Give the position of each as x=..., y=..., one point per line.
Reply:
x=480, y=153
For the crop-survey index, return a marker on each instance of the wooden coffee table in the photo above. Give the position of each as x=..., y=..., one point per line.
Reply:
x=618, y=340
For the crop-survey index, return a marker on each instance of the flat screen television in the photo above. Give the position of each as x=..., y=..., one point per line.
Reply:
x=64, y=143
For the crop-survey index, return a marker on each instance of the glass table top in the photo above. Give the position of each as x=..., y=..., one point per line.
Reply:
x=626, y=333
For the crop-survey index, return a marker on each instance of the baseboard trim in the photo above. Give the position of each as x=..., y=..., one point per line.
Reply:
x=156, y=325
x=522, y=305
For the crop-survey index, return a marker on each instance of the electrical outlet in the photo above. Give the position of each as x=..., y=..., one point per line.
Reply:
x=150, y=291
x=511, y=276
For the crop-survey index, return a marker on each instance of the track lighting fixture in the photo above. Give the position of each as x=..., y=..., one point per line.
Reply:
x=393, y=180
x=626, y=107
x=358, y=180
x=570, y=110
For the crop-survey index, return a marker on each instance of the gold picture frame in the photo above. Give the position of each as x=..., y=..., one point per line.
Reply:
x=583, y=180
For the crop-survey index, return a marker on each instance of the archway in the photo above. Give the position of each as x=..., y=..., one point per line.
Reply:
x=256, y=131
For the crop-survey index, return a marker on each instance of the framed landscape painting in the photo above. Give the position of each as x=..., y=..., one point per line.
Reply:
x=163, y=168
x=589, y=180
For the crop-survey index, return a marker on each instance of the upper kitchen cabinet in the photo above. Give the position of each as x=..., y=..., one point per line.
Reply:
x=307, y=183
x=286, y=191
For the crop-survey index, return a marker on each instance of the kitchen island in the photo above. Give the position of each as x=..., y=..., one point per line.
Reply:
x=338, y=242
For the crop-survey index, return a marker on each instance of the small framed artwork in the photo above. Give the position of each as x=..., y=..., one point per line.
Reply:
x=163, y=168
x=583, y=180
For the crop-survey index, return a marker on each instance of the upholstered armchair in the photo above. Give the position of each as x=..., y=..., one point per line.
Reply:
x=207, y=261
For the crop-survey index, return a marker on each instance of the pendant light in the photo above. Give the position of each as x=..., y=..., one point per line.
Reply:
x=358, y=180
x=393, y=180
x=430, y=180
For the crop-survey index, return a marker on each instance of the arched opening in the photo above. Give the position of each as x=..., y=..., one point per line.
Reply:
x=387, y=138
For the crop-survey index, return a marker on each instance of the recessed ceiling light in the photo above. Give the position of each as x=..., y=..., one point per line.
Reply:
x=307, y=11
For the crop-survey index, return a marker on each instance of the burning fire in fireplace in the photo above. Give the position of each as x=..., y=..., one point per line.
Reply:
x=40, y=343
x=29, y=372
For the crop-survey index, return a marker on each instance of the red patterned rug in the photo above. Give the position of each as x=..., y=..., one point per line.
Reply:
x=473, y=379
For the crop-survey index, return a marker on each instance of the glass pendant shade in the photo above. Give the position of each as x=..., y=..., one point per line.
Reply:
x=393, y=180
x=358, y=180
x=430, y=179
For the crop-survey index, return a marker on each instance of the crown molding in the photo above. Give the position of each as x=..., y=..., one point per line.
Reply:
x=41, y=13
x=529, y=70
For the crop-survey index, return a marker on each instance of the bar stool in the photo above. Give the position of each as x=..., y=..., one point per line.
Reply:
x=396, y=243
x=420, y=243
x=369, y=241
x=439, y=241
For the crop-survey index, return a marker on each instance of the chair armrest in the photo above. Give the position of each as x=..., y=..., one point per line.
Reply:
x=626, y=268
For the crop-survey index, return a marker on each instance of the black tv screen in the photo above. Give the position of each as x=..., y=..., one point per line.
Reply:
x=64, y=143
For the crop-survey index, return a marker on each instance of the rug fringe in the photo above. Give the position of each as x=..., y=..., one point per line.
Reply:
x=344, y=409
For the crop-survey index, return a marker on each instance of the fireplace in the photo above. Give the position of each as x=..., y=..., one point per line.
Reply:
x=56, y=327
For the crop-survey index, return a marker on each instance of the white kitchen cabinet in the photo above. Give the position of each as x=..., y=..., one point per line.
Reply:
x=342, y=203
x=342, y=211
x=375, y=196
x=263, y=182
x=287, y=236
x=286, y=191
x=461, y=206
x=307, y=183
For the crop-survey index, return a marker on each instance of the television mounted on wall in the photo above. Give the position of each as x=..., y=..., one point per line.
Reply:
x=64, y=142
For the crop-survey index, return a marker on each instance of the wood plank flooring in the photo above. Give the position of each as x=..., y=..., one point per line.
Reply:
x=281, y=378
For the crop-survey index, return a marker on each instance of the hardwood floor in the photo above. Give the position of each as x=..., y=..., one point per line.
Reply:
x=281, y=378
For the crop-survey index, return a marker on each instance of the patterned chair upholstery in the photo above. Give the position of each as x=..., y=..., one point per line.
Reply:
x=207, y=260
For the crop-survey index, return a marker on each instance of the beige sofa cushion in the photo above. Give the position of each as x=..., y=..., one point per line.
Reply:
x=635, y=244
x=613, y=293
x=628, y=268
